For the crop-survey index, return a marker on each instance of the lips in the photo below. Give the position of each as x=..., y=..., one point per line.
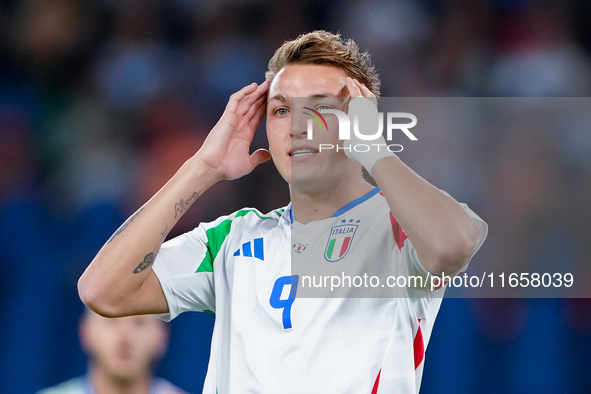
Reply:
x=300, y=151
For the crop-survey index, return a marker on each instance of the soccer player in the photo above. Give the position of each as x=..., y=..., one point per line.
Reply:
x=122, y=354
x=267, y=339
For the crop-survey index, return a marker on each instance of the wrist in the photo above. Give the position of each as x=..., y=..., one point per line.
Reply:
x=366, y=149
x=370, y=155
x=202, y=172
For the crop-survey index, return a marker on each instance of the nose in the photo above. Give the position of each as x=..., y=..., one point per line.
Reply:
x=299, y=125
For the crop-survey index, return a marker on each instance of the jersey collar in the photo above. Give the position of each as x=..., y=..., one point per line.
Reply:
x=356, y=202
x=344, y=209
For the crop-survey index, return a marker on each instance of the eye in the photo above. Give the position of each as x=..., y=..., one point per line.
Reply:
x=281, y=111
x=321, y=107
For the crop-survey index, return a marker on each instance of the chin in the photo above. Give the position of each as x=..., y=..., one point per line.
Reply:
x=308, y=184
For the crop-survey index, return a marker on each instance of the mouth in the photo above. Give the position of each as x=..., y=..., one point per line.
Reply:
x=299, y=152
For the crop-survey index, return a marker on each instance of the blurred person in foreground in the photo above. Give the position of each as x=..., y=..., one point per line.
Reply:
x=268, y=337
x=122, y=354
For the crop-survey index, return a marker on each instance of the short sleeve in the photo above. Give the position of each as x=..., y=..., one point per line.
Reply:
x=184, y=267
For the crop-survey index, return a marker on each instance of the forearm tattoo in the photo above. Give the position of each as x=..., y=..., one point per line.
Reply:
x=124, y=225
x=181, y=207
x=148, y=261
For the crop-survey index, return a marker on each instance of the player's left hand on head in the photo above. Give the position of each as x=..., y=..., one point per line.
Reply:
x=357, y=89
x=363, y=105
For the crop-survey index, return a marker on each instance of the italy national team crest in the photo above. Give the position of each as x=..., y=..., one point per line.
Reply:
x=339, y=241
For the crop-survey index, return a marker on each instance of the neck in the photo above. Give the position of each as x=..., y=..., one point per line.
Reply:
x=321, y=204
x=105, y=383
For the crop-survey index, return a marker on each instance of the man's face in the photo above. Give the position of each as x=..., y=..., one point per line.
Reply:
x=124, y=348
x=296, y=157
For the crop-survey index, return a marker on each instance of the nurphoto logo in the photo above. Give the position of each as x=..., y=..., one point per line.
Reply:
x=363, y=114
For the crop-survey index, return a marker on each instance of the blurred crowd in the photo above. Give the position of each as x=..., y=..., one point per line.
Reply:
x=102, y=100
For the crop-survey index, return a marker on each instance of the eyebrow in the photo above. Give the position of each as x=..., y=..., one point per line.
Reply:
x=323, y=95
x=279, y=97
x=282, y=98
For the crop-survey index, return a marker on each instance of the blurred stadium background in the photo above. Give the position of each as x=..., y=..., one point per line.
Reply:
x=102, y=100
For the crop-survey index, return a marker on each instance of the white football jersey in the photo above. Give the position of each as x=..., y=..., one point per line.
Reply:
x=278, y=329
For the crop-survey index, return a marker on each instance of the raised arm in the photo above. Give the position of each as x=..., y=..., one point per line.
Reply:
x=442, y=233
x=119, y=281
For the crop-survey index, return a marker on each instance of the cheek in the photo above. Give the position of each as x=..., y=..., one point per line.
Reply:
x=333, y=127
x=330, y=136
x=278, y=132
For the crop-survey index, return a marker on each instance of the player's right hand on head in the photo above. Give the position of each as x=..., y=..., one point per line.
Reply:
x=226, y=150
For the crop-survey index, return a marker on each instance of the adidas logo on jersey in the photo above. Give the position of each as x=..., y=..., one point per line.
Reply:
x=247, y=249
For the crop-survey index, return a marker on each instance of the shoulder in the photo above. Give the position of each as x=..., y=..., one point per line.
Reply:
x=254, y=215
x=72, y=386
x=210, y=239
x=245, y=219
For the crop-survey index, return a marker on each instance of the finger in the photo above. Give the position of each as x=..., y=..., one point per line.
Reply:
x=254, y=107
x=354, y=90
x=237, y=97
x=364, y=90
x=248, y=100
x=258, y=116
x=259, y=156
